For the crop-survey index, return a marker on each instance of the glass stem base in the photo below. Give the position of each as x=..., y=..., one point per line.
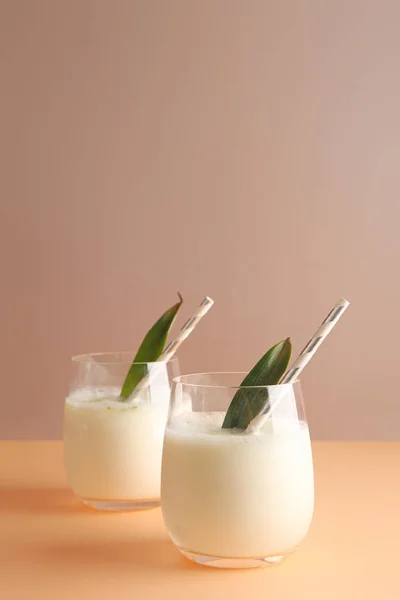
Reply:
x=221, y=562
x=120, y=505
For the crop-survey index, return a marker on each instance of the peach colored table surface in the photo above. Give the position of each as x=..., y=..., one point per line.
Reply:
x=53, y=547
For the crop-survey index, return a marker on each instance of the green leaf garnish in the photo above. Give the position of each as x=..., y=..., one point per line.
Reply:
x=247, y=403
x=150, y=349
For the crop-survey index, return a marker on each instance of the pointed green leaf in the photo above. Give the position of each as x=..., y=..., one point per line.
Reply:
x=150, y=349
x=247, y=403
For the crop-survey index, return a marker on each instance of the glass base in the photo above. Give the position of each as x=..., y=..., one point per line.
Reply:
x=233, y=563
x=120, y=505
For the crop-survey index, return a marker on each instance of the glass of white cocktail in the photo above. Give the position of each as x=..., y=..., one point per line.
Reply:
x=231, y=497
x=113, y=445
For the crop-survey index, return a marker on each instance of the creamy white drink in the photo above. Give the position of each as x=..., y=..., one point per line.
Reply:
x=229, y=494
x=113, y=448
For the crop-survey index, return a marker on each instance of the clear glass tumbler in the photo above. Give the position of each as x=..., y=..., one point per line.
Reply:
x=230, y=498
x=113, y=447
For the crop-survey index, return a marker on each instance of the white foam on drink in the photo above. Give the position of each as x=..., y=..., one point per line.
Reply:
x=98, y=398
x=109, y=397
x=203, y=424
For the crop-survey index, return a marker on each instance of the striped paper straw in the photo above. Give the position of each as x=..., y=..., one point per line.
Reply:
x=310, y=349
x=173, y=346
x=304, y=358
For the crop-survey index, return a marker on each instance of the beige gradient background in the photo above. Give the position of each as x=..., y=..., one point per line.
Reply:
x=248, y=150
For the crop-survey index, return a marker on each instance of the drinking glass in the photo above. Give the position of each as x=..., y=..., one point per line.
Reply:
x=231, y=498
x=112, y=446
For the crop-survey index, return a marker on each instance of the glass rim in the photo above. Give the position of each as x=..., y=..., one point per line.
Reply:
x=90, y=357
x=178, y=381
